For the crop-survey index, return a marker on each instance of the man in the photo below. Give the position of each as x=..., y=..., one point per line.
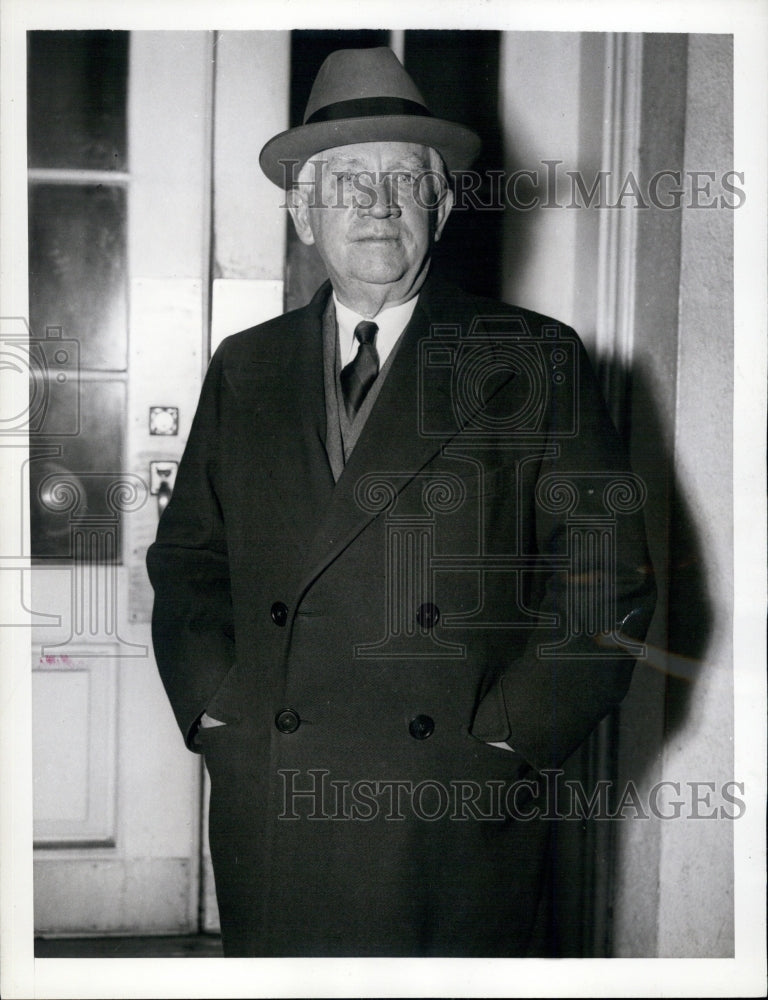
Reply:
x=402, y=570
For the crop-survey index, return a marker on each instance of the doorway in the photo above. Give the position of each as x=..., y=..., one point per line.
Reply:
x=119, y=279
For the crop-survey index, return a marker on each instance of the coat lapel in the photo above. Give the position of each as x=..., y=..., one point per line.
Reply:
x=411, y=421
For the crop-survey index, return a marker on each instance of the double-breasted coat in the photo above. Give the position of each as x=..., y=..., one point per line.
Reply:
x=477, y=574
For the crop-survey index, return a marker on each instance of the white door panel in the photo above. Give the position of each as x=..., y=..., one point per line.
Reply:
x=73, y=746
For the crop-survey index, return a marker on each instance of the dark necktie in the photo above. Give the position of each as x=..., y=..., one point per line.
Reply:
x=360, y=374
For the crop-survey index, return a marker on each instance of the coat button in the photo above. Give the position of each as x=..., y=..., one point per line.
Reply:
x=287, y=721
x=427, y=615
x=279, y=613
x=421, y=727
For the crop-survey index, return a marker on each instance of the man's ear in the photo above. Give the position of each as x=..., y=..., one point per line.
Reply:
x=299, y=210
x=442, y=211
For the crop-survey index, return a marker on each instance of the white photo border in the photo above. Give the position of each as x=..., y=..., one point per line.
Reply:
x=23, y=976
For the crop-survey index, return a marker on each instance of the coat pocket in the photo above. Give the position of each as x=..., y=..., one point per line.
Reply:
x=226, y=701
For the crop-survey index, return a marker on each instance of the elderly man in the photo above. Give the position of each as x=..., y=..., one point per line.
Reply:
x=402, y=572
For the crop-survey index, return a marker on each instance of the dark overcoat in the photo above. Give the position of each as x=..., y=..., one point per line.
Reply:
x=478, y=573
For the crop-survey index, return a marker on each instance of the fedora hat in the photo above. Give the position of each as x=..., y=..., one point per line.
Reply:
x=364, y=95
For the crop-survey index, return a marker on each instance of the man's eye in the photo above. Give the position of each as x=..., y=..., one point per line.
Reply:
x=407, y=179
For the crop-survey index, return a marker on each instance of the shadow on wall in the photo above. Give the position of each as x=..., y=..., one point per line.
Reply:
x=458, y=75
x=627, y=744
x=682, y=627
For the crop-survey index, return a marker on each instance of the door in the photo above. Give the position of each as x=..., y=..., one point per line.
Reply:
x=119, y=224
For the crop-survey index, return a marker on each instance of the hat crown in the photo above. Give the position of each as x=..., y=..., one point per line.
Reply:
x=351, y=74
x=364, y=95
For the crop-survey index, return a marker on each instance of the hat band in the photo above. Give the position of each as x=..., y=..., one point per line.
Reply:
x=368, y=107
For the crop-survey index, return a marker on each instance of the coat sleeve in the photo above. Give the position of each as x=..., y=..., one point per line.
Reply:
x=192, y=623
x=595, y=608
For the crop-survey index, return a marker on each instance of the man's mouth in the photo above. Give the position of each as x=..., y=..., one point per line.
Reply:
x=376, y=238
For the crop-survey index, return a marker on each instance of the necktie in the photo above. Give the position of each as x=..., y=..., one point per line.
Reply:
x=360, y=374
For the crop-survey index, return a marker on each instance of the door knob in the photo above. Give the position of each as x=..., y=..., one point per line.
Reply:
x=163, y=496
x=162, y=476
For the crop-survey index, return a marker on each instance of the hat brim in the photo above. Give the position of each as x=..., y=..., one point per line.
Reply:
x=282, y=157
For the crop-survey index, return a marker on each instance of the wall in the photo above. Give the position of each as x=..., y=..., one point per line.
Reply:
x=251, y=105
x=674, y=897
x=696, y=869
x=540, y=108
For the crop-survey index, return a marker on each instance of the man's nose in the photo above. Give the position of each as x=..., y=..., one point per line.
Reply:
x=382, y=200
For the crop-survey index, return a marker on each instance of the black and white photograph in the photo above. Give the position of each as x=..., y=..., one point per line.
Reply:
x=383, y=429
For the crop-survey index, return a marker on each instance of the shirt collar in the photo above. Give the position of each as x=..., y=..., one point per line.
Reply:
x=391, y=322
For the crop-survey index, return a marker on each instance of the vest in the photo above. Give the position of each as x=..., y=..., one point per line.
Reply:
x=341, y=435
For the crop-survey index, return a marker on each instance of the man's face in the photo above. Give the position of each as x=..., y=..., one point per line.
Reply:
x=373, y=210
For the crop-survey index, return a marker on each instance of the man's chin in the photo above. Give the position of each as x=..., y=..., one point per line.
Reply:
x=379, y=262
x=378, y=272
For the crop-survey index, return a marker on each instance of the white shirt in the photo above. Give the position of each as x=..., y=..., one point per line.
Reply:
x=391, y=322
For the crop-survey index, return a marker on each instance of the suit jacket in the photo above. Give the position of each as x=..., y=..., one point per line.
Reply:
x=478, y=573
